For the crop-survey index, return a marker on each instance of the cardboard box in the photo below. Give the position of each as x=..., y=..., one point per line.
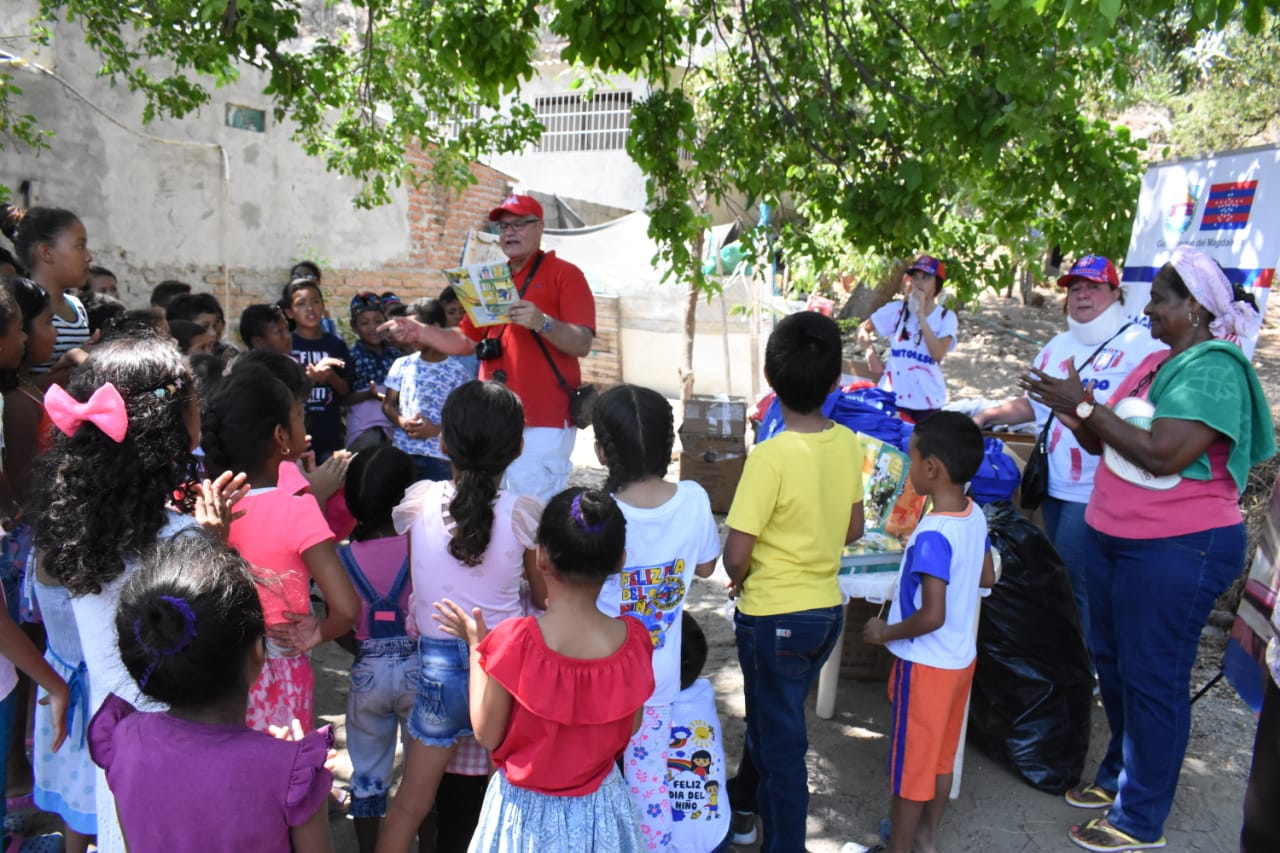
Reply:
x=714, y=447
x=715, y=417
x=720, y=478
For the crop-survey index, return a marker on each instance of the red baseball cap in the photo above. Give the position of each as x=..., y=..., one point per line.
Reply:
x=1092, y=268
x=520, y=205
x=929, y=266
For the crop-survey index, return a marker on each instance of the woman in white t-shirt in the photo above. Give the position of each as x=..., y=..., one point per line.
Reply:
x=671, y=537
x=913, y=370
x=1104, y=351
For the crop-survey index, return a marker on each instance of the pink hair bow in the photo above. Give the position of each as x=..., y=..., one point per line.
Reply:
x=104, y=409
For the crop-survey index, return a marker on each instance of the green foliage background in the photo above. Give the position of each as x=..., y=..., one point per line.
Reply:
x=977, y=129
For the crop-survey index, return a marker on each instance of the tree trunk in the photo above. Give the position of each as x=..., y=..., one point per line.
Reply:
x=690, y=322
x=866, y=298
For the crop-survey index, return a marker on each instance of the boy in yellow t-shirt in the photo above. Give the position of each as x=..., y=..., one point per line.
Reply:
x=798, y=504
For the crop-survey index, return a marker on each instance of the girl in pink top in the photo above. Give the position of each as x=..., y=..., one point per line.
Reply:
x=473, y=543
x=252, y=423
x=557, y=697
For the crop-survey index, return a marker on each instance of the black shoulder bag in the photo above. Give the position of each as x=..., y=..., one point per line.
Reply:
x=582, y=400
x=1035, y=476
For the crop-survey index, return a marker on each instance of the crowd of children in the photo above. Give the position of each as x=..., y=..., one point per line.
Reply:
x=205, y=517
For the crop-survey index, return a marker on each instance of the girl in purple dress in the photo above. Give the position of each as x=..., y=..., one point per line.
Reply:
x=190, y=630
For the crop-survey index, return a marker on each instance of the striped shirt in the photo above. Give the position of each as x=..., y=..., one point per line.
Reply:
x=71, y=333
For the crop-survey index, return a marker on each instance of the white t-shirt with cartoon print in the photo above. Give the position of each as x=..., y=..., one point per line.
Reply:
x=910, y=372
x=696, y=772
x=664, y=545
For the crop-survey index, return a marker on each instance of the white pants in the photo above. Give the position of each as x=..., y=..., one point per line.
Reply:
x=542, y=468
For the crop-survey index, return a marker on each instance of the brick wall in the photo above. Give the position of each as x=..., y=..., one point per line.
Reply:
x=438, y=221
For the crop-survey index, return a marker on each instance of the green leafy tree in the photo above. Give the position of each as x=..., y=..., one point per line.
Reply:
x=961, y=126
x=1203, y=91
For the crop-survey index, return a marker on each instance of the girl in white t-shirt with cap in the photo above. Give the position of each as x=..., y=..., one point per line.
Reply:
x=671, y=537
x=920, y=332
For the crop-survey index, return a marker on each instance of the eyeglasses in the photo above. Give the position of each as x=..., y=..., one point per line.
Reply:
x=517, y=225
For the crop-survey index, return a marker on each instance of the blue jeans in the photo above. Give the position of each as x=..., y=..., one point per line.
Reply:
x=1151, y=598
x=442, y=712
x=384, y=687
x=1064, y=522
x=780, y=658
x=431, y=468
x=8, y=712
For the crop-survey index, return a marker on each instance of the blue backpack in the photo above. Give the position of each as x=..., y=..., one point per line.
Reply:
x=386, y=619
x=998, y=478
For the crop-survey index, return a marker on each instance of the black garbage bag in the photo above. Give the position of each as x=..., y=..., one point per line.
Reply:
x=1033, y=688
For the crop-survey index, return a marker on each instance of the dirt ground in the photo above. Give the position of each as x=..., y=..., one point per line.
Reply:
x=996, y=811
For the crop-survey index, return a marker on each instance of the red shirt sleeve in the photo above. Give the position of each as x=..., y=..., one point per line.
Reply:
x=576, y=304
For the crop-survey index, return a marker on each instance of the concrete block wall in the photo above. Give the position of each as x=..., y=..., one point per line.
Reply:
x=436, y=223
x=185, y=198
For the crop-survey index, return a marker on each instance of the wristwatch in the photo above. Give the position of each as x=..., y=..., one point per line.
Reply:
x=546, y=324
x=1084, y=409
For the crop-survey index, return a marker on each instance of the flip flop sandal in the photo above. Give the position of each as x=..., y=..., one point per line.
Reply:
x=1101, y=838
x=339, y=799
x=1090, y=797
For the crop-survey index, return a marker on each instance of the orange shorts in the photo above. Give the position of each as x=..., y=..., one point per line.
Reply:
x=928, y=712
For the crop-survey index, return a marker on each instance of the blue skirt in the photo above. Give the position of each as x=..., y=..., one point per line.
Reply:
x=516, y=820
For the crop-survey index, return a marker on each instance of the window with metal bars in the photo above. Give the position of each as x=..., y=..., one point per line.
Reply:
x=577, y=123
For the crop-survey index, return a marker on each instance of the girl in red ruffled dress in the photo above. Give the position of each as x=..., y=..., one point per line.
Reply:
x=556, y=697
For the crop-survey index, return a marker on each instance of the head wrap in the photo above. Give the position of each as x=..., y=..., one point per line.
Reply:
x=1232, y=319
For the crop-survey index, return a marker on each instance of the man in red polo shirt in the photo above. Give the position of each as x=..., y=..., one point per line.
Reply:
x=556, y=305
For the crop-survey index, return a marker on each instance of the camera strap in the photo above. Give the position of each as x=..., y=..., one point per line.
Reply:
x=537, y=337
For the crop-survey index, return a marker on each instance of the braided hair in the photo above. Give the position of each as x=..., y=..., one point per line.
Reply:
x=99, y=502
x=636, y=431
x=482, y=424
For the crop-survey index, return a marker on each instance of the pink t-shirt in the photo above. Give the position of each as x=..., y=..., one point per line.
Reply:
x=336, y=513
x=1189, y=507
x=275, y=530
x=379, y=561
x=493, y=585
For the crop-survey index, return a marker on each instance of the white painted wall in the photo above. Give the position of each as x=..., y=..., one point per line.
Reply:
x=163, y=209
x=605, y=177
